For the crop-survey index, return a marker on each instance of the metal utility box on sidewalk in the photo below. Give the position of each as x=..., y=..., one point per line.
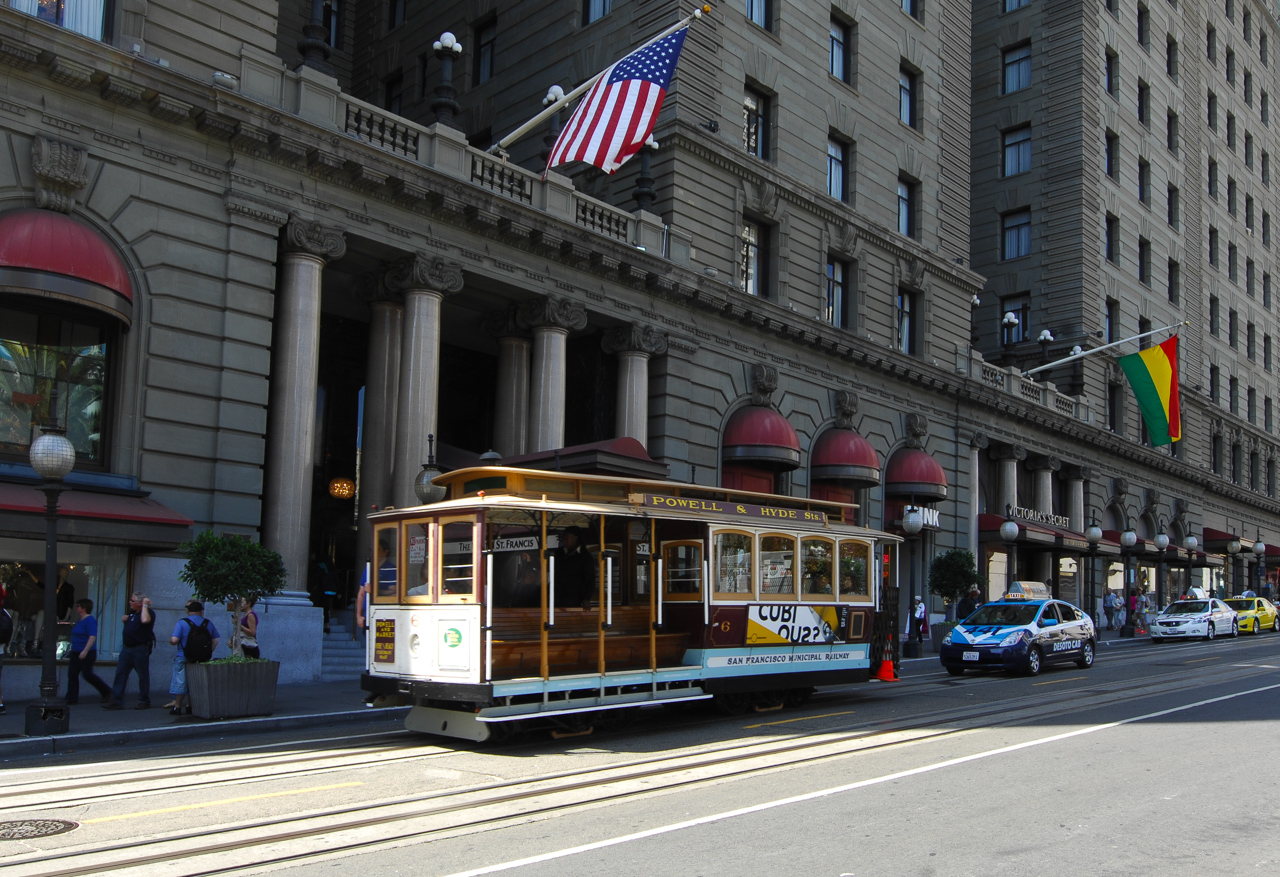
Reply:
x=232, y=690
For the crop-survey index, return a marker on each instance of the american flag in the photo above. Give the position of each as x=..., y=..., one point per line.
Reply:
x=616, y=117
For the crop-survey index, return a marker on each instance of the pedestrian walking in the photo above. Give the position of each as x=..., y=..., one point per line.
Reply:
x=1111, y=605
x=135, y=654
x=182, y=638
x=918, y=626
x=249, y=628
x=84, y=652
x=968, y=604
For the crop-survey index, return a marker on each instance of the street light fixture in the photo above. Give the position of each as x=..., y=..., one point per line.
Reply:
x=1260, y=560
x=1233, y=548
x=444, y=104
x=1009, y=531
x=53, y=456
x=1093, y=535
x=1128, y=539
x=1192, y=544
x=912, y=521
x=423, y=488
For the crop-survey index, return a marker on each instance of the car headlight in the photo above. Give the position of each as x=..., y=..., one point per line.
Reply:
x=1014, y=638
x=946, y=640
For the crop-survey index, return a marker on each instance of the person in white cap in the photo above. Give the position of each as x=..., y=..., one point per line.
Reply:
x=918, y=623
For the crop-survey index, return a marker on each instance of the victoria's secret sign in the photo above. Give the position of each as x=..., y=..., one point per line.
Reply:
x=733, y=509
x=1038, y=517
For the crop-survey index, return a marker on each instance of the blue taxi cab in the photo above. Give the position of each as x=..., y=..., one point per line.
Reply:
x=1021, y=632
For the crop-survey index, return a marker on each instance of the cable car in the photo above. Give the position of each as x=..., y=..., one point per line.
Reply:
x=559, y=598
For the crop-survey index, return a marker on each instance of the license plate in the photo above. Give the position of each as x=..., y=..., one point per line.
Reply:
x=970, y=656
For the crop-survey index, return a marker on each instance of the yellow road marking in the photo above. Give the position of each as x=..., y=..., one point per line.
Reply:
x=1198, y=660
x=1056, y=681
x=798, y=719
x=217, y=803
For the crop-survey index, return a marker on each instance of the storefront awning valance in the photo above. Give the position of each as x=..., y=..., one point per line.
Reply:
x=914, y=474
x=48, y=254
x=129, y=518
x=1048, y=535
x=843, y=455
x=762, y=437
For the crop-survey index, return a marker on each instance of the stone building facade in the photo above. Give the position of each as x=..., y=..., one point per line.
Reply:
x=327, y=273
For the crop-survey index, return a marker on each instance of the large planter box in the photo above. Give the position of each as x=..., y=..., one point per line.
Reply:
x=228, y=691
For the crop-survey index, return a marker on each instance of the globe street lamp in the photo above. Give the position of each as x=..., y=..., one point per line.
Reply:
x=1260, y=560
x=1093, y=535
x=1162, y=545
x=1233, y=549
x=53, y=457
x=423, y=488
x=1009, y=531
x=1192, y=544
x=1128, y=539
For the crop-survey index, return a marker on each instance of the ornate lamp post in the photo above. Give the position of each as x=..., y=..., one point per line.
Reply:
x=422, y=486
x=1162, y=545
x=53, y=457
x=1192, y=544
x=1009, y=531
x=445, y=105
x=1008, y=324
x=1093, y=535
x=912, y=524
x=1233, y=549
x=1045, y=339
x=1260, y=561
x=1128, y=539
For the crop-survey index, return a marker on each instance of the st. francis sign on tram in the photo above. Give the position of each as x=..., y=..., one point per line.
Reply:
x=732, y=509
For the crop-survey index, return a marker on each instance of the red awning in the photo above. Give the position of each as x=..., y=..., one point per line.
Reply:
x=47, y=254
x=843, y=455
x=132, y=519
x=913, y=473
x=762, y=437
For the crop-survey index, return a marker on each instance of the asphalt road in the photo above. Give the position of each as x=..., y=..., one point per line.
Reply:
x=1158, y=758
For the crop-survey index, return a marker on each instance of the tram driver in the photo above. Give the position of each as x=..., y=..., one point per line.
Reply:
x=575, y=571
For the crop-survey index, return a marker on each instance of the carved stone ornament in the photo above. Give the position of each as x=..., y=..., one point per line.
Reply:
x=371, y=290
x=634, y=338
x=1044, y=462
x=1153, y=502
x=61, y=170
x=1179, y=519
x=502, y=323
x=846, y=408
x=552, y=312
x=302, y=236
x=764, y=380
x=1215, y=426
x=917, y=430
x=847, y=240
x=1119, y=491
x=424, y=272
x=979, y=440
x=1007, y=451
x=914, y=273
x=764, y=199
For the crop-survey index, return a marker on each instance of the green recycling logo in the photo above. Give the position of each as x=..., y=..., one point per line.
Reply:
x=453, y=637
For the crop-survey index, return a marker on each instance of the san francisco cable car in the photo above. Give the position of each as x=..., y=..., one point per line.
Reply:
x=553, y=598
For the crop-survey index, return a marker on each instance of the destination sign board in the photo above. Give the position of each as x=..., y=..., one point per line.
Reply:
x=733, y=509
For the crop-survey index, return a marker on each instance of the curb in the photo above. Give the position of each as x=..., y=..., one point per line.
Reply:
x=24, y=747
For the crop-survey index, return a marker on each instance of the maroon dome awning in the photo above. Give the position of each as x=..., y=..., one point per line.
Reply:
x=843, y=455
x=762, y=437
x=913, y=473
x=48, y=254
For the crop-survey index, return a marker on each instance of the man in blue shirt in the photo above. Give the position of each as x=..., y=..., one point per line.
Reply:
x=135, y=654
x=84, y=651
x=181, y=632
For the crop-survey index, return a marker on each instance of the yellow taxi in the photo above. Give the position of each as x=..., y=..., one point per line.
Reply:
x=1256, y=614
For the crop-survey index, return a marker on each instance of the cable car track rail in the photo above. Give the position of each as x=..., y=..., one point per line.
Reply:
x=603, y=781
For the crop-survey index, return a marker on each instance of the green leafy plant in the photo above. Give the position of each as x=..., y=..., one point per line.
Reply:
x=227, y=569
x=952, y=574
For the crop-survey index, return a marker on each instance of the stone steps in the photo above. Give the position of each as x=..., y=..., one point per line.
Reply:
x=342, y=657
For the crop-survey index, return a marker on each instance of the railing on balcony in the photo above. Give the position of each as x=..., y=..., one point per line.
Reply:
x=382, y=131
x=600, y=217
x=505, y=179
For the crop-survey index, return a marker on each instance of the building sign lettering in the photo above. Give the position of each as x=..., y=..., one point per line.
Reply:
x=733, y=509
x=1038, y=517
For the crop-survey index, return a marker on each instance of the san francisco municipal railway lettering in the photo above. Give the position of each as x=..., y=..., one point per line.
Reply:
x=741, y=510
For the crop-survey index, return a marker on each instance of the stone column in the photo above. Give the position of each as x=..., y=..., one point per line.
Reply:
x=511, y=405
x=382, y=375
x=424, y=282
x=1042, y=467
x=1008, y=456
x=295, y=360
x=551, y=319
x=633, y=345
x=976, y=444
x=1075, y=477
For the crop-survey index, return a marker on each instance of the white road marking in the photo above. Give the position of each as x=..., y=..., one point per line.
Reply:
x=836, y=790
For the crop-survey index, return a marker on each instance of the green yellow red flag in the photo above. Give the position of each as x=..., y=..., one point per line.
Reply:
x=1153, y=374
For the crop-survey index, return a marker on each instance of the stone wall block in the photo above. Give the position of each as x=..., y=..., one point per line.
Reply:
x=250, y=300
x=183, y=377
x=230, y=478
x=236, y=509
x=246, y=358
x=183, y=346
x=251, y=330
x=181, y=471
x=251, y=243
x=178, y=439
x=244, y=418
x=240, y=447
x=244, y=388
x=179, y=407
x=196, y=505
x=171, y=281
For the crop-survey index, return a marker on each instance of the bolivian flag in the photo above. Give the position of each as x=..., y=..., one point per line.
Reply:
x=1153, y=374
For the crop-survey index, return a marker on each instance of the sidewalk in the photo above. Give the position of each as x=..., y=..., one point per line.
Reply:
x=321, y=705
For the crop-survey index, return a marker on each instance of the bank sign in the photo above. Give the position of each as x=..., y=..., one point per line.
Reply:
x=733, y=509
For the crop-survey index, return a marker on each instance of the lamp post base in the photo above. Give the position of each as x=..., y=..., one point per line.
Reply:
x=47, y=721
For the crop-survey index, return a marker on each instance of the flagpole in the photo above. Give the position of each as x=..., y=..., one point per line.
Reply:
x=586, y=86
x=1084, y=353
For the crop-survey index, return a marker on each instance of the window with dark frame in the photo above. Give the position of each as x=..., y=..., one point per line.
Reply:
x=837, y=161
x=1264, y=107
x=908, y=207
x=839, y=65
x=755, y=124
x=331, y=19
x=1211, y=45
x=1110, y=74
x=1212, y=178
x=760, y=12
x=753, y=259
x=1112, y=155
x=1215, y=320
x=836, y=307
x=1233, y=328
x=1231, y=196
x=1266, y=352
x=393, y=93
x=1113, y=320
x=1113, y=238
x=1250, y=270
x=907, y=329
x=1144, y=103
x=1144, y=181
x=1233, y=259
x=1251, y=342
x=1144, y=261
x=912, y=8
x=395, y=13
x=1017, y=151
x=1115, y=408
x=1171, y=131
x=486, y=35
x=1017, y=68
x=1171, y=56
x=1014, y=5
x=1215, y=385
x=594, y=10
x=1231, y=67
x=1213, y=247
x=908, y=98
x=1174, y=286
x=1144, y=26
x=1174, y=203
x=1231, y=131
x=1020, y=306
x=1211, y=111
x=1016, y=234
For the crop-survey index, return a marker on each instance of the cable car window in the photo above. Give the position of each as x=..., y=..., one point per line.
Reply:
x=682, y=569
x=457, y=559
x=777, y=565
x=733, y=564
x=855, y=564
x=387, y=558
x=817, y=557
x=418, y=567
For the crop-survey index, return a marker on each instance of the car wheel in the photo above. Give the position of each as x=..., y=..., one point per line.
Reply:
x=1257, y=626
x=1086, y=656
x=1235, y=628
x=1211, y=632
x=1275, y=625
x=1034, y=661
x=956, y=671
x=1156, y=640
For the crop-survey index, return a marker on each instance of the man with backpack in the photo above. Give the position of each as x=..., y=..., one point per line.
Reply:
x=196, y=638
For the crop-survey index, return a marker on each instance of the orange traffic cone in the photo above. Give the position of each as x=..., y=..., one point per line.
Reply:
x=885, y=671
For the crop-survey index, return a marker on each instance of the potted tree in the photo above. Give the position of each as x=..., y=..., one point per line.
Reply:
x=227, y=569
x=951, y=575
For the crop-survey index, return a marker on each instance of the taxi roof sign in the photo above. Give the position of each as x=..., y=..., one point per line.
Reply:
x=1027, y=591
